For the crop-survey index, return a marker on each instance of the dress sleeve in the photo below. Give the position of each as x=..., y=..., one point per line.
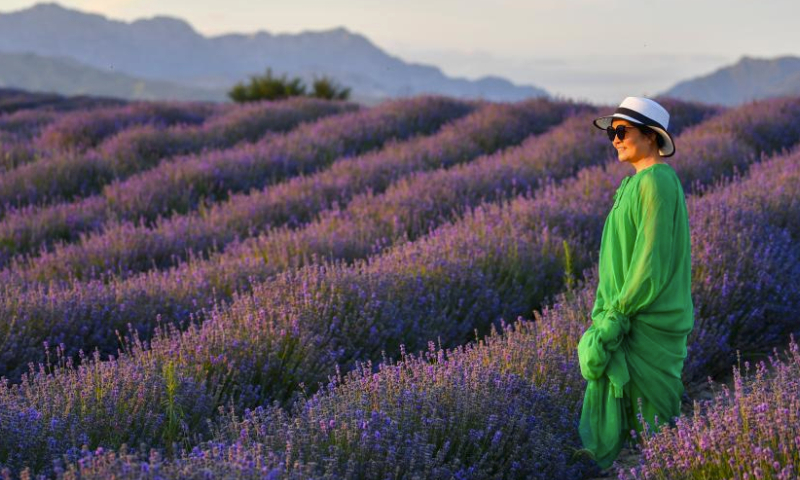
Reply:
x=648, y=271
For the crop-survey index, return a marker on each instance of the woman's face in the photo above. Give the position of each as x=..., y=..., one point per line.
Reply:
x=636, y=145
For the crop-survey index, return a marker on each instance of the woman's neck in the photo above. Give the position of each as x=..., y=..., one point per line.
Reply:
x=645, y=162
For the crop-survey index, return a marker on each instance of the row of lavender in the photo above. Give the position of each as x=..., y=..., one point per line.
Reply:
x=20, y=131
x=86, y=314
x=163, y=295
x=765, y=451
x=84, y=129
x=183, y=182
x=498, y=263
x=40, y=133
x=125, y=249
x=57, y=175
x=100, y=309
x=437, y=415
x=13, y=100
x=16, y=131
x=177, y=186
x=448, y=412
x=353, y=233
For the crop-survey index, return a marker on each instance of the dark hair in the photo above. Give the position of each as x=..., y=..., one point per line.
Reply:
x=645, y=130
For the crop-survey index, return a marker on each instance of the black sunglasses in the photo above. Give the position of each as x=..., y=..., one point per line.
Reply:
x=617, y=132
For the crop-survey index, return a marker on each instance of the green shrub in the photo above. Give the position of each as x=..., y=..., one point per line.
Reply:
x=327, y=88
x=269, y=87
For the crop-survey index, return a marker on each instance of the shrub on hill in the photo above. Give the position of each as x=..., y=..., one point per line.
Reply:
x=269, y=87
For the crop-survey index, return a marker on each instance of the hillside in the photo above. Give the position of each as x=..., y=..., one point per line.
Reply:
x=748, y=79
x=69, y=77
x=169, y=49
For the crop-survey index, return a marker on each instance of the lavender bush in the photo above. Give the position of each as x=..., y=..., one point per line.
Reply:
x=745, y=258
x=184, y=185
x=96, y=403
x=183, y=182
x=428, y=399
x=126, y=249
x=399, y=263
x=495, y=262
x=766, y=125
x=491, y=257
x=13, y=100
x=684, y=114
x=86, y=128
x=16, y=131
x=14, y=151
x=27, y=123
x=748, y=433
x=444, y=414
x=142, y=147
x=437, y=413
x=75, y=173
x=238, y=435
x=148, y=295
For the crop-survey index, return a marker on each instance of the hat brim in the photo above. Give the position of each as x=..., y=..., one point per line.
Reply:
x=667, y=150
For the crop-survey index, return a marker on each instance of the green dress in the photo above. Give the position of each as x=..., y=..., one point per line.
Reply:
x=642, y=316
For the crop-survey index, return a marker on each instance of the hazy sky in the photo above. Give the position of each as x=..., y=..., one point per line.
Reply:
x=598, y=50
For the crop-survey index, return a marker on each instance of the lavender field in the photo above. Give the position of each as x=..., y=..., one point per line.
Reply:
x=309, y=288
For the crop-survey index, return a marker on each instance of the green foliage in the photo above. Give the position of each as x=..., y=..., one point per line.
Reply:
x=327, y=88
x=267, y=87
x=270, y=87
x=173, y=409
x=569, y=268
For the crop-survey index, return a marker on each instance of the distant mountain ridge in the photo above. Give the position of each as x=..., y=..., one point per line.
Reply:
x=69, y=77
x=748, y=79
x=170, y=50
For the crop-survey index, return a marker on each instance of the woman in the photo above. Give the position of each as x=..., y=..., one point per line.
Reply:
x=635, y=347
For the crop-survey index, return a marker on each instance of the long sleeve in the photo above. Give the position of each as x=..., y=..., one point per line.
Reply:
x=599, y=351
x=649, y=267
x=602, y=362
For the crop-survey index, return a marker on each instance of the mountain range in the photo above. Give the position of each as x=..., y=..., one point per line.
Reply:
x=748, y=79
x=69, y=77
x=51, y=48
x=165, y=49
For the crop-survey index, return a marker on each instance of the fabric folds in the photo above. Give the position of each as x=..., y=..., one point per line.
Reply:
x=643, y=312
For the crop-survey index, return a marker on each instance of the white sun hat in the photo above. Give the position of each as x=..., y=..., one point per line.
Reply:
x=643, y=111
